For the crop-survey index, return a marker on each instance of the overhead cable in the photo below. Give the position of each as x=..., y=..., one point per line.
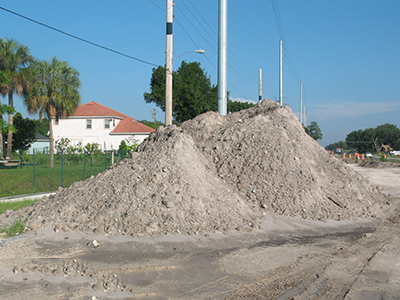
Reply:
x=78, y=38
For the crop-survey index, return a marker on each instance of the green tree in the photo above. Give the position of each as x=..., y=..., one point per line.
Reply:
x=128, y=145
x=371, y=139
x=192, y=92
x=62, y=144
x=388, y=134
x=342, y=145
x=236, y=105
x=25, y=131
x=54, y=92
x=354, y=139
x=42, y=126
x=14, y=58
x=314, y=131
x=3, y=77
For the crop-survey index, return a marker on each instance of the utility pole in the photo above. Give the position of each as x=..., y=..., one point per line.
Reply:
x=168, y=78
x=301, y=102
x=222, y=56
x=280, y=74
x=260, y=86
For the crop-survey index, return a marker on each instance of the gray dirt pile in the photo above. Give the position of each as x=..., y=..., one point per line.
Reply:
x=213, y=173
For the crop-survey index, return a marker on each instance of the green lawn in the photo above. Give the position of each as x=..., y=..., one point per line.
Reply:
x=23, y=180
x=28, y=179
x=15, y=205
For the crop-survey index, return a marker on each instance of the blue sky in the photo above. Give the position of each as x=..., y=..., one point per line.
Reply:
x=345, y=52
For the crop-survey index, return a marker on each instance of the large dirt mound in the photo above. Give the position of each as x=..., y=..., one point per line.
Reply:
x=214, y=173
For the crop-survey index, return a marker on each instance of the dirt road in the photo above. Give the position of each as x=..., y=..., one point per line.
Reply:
x=287, y=258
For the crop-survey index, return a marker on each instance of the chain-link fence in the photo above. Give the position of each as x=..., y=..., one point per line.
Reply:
x=31, y=173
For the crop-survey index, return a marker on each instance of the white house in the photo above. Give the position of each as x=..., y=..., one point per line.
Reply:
x=96, y=123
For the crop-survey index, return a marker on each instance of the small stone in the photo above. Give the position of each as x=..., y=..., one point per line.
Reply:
x=35, y=226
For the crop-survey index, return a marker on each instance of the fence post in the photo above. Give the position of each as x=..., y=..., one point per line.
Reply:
x=105, y=160
x=34, y=181
x=62, y=168
x=84, y=165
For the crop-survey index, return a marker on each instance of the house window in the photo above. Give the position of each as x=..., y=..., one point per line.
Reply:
x=88, y=124
x=107, y=124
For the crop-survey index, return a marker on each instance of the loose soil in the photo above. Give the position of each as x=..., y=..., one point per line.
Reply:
x=241, y=206
x=214, y=173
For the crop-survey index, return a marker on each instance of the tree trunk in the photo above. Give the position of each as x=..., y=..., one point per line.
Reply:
x=51, y=143
x=10, y=122
x=1, y=140
x=1, y=143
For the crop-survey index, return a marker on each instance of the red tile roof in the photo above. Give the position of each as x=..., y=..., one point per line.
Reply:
x=94, y=109
x=127, y=125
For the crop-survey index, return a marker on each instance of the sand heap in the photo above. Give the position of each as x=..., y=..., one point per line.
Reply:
x=214, y=173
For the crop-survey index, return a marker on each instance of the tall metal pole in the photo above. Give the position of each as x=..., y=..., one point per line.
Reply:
x=222, y=56
x=260, y=86
x=168, y=64
x=301, y=102
x=280, y=74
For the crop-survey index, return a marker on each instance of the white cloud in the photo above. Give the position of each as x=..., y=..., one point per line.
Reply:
x=243, y=100
x=335, y=110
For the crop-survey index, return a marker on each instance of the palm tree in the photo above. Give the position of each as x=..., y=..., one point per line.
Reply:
x=13, y=60
x=3, y=79
x=53, y=91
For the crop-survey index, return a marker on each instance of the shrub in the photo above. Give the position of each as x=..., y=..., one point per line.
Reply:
x=15, y=228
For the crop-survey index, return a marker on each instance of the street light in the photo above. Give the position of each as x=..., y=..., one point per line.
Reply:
x=168, y=85
x=200, y=51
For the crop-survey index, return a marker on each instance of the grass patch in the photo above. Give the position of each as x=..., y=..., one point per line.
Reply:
x=75, y=167
x=15, y=205
x=15, y=228
x=20, y=181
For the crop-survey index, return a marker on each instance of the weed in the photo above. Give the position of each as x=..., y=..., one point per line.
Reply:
x=15, y=228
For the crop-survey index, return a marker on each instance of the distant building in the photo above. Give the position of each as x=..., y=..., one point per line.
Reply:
x=96, y=123
x=41, y=144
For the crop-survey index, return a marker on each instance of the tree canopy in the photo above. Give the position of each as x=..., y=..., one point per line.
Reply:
x=314, y=131
x=341, y=144
x=42, y=126
x=25, y=132
x=54, y=92
x=14, y=58
x=371, y=139
x=192, y=92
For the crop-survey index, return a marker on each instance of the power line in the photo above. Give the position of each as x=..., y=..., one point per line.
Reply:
x=215, y=42
x=281, y=34
x=253, y=79
x=157, y=5
x=212, y=47
x=78, y=38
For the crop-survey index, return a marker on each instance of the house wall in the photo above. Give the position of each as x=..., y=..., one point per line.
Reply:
x=39, y=147
x=75, y=130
